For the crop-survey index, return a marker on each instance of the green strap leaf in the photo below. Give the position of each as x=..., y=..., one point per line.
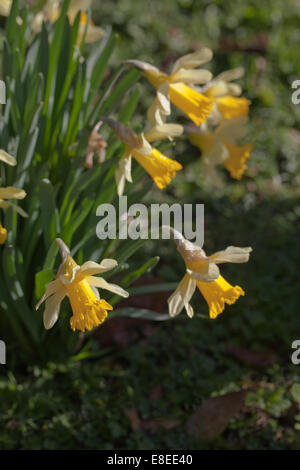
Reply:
x=141, y=313
x=49, y=212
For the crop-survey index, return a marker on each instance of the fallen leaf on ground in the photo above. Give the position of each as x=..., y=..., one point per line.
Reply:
x=213, y=416
x=150, y=425
x=156, y=392
x=260, y=359
x=133, y=416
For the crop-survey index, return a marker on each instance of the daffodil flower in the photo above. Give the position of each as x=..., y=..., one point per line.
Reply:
x=9, y=192
x=80, y=285
x=202, y=271
x=178, y=87
x=227, y=102
x=161, y=168
x=220, y=147
x=51, y=12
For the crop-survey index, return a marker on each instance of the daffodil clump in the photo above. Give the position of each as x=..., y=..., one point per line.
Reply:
x=218, y=112
x=58, y=103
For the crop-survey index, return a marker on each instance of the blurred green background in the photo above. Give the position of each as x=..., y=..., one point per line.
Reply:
x=148, y=390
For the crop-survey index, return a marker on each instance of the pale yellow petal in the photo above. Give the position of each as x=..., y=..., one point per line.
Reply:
x=193, y=77
x=7, y=158
x=123, y=173
x=163, y=98
x=193, y=60
x=143, y=145
x=76, y=5
x=93, y=34
x=160, y=107
x=10, y=192
x=19, y=210
x=232, y=254
x=52, y=288
x=90, y=267
x=229, y=75
x=182, y=296
x=52, y=308
x=103, y=284
x=5, y=6
x=164, y=131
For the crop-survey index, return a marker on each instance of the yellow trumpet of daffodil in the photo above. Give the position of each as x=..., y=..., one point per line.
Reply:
x=178, y=87
x=202, y=271
x=9, y=192
x=219, y=147
x=51, y=12
x=80, y=285
x=161, y=168
x=227, y=102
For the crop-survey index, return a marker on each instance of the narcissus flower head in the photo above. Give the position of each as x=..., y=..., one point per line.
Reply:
x=219, y=147
x=178, y=87
x=80, y=285
x=51, y=12
x=161, y=168
x=227, y=103
x=202, y=271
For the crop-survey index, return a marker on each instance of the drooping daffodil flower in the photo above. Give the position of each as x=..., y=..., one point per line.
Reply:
x=202, y=271
x=227, y=102
x=52, y=10
x=161, y=168
x=80, y=285
x=178, y=87
x=220, y=147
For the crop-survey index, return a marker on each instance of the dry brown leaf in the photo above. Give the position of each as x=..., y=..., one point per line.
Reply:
x=260, y=359
x=152, y=425
x=213, y=416
x=258, y=44
x=156, y=392
x=133, y=416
